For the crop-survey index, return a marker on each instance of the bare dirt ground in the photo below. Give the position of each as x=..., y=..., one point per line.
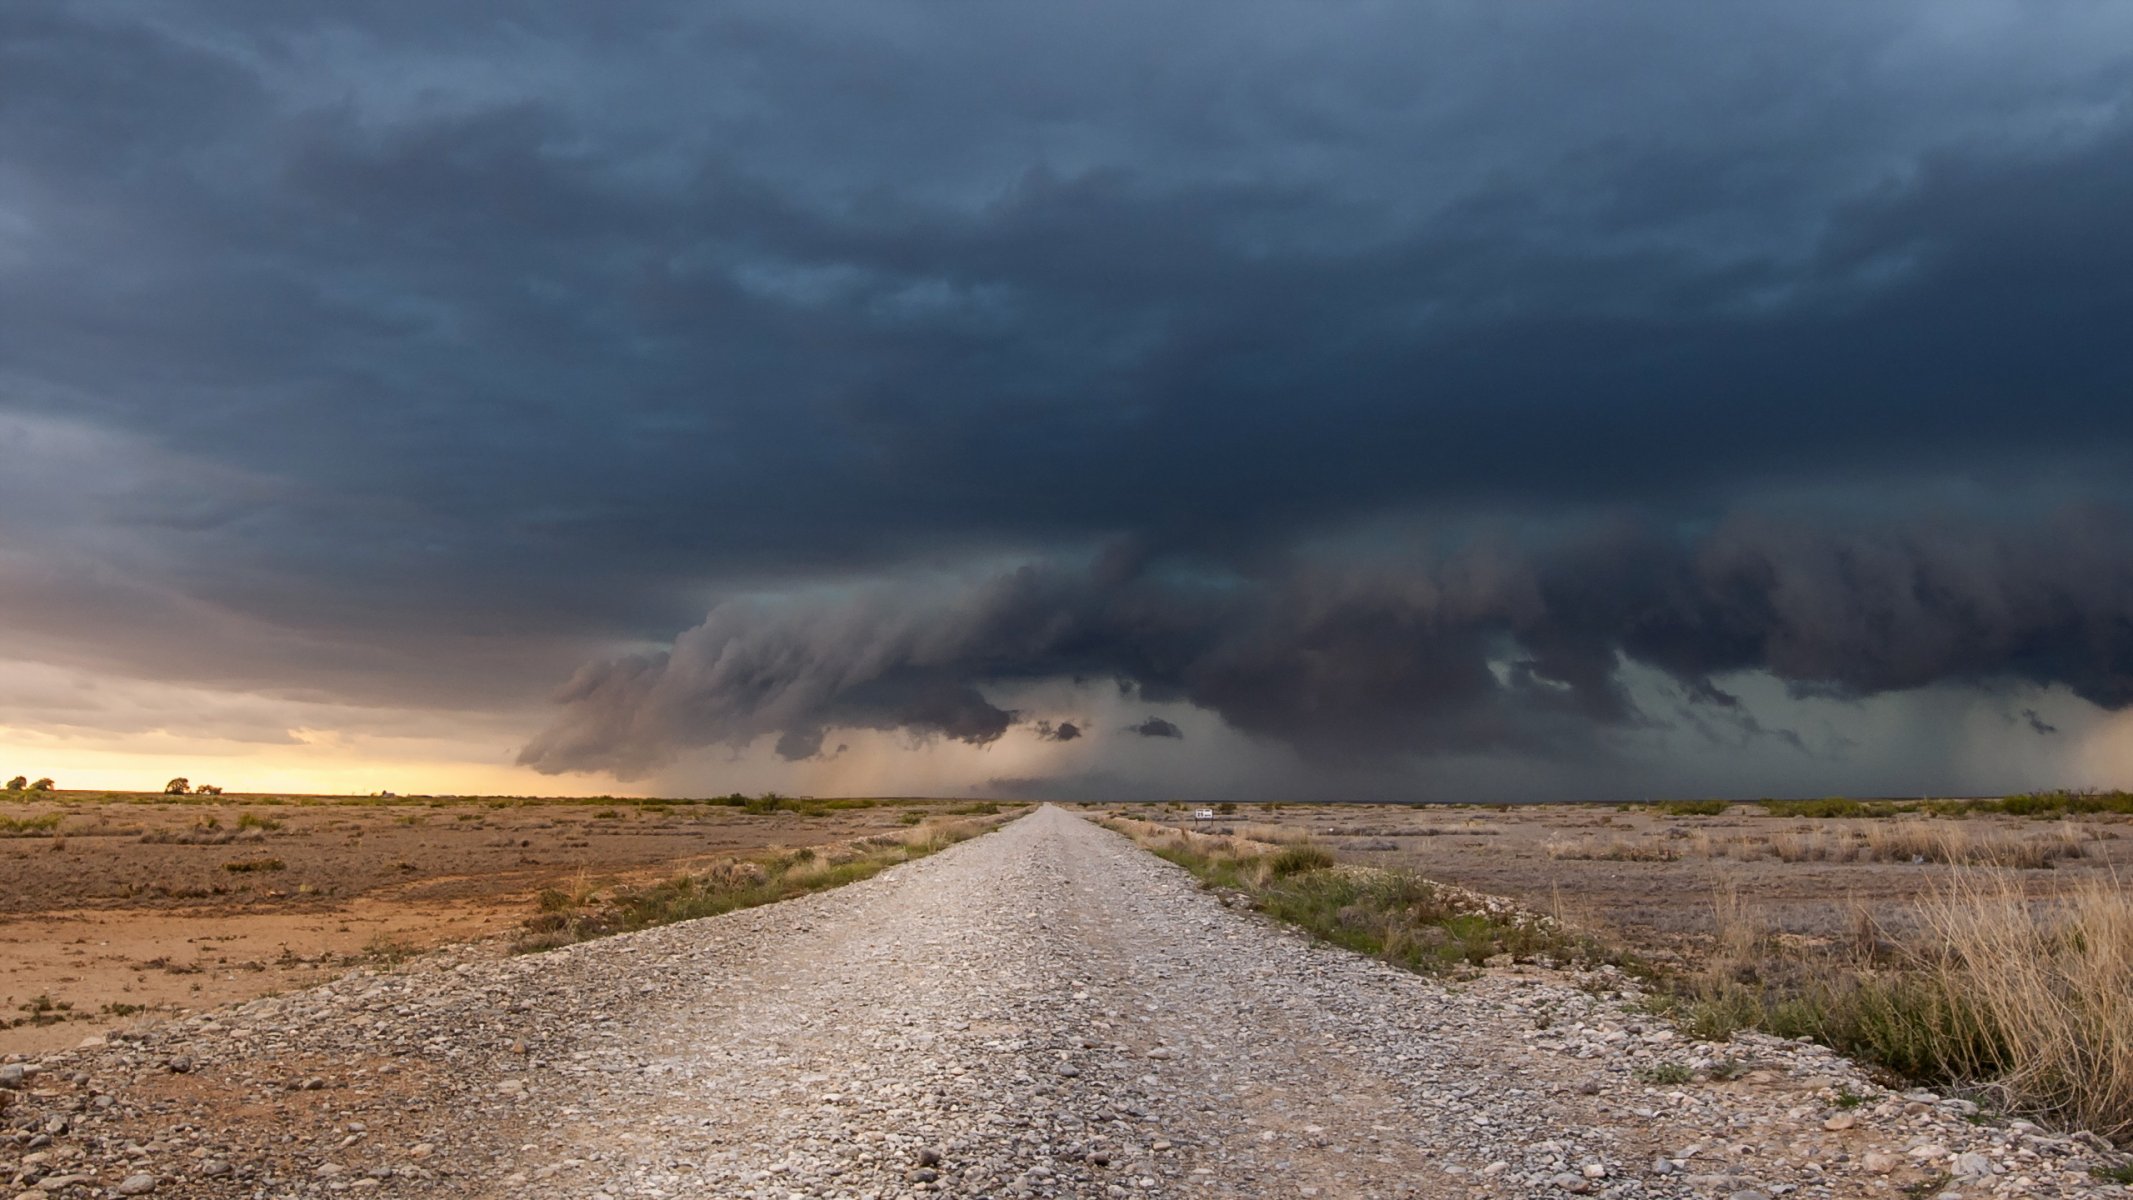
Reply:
x=1656, y=881
x=136, y=908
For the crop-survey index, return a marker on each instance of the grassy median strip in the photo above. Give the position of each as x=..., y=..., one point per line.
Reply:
x=589, y=910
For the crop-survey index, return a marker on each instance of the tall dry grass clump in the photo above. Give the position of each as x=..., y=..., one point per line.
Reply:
x=2049, y=987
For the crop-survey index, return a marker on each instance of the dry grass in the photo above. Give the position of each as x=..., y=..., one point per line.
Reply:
x=585, y=909
x=1618, y=849
x=1393, y=915
x=2051, y=987
x=2029, y=999
x=1903, y=840
x=1272, y=835
x=42, y=825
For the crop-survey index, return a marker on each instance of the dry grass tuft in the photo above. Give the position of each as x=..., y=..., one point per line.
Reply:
x=2050, y=986
x=2031, y=999
x=1905, y=840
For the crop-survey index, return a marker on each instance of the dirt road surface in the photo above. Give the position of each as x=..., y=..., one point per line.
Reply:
x=1045, y=1011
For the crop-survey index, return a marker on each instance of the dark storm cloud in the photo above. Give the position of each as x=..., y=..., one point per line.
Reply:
x=448, y=345
x=1499, y=646
x=1064, y=731
x=1156, y=727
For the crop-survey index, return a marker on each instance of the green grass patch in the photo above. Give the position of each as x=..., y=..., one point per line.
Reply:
x=1691, y=808
x=1835, y=807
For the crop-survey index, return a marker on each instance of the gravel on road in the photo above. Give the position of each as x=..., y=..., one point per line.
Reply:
x=1043, y=1011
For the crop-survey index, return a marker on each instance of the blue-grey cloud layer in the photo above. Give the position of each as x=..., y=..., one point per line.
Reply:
x=451, y=346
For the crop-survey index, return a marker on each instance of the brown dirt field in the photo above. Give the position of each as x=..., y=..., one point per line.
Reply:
x=1652, y=881
x=132, y=903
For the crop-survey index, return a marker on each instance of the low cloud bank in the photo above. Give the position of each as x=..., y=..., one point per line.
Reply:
x=1506, y=642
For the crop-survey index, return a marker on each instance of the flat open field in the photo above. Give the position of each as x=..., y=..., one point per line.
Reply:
x=118, y=908
x=1657, y=882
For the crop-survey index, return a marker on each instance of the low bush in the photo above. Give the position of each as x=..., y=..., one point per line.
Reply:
x=37, y=826
x=1692, y=808
x=245, y=866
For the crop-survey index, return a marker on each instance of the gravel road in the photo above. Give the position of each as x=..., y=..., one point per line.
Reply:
x=1044, y=1011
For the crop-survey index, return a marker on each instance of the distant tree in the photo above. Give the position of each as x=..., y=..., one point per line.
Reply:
x=178, y=786
x=207, y=789
x=18, y=783
x=42, y=785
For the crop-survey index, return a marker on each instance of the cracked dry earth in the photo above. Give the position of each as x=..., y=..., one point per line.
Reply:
x=1044, y=1011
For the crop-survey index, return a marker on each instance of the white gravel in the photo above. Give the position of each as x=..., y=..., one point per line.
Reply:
x=1045, y=1011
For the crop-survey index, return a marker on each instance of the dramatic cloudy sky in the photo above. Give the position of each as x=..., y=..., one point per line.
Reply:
x=1255, y=398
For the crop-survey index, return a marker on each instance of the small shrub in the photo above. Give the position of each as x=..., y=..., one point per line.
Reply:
x=244, y=866
x=1295, y=860
x=1666, y=1073
x=1692, y=808
x=389, y=949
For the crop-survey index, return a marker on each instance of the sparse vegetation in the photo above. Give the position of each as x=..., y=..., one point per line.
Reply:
x=245, y=866
x=2026, y=804
x=1914, y=840
x=1691, y=808
x=1396, y=916
x=2032, y=1001
x=585, y=911
x=1614, y=850
x=388, y=950
x=39, y=825
x=2122, y=1174
x=1997, y=983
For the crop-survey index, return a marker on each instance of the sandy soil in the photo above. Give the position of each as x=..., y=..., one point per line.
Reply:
x=1654, y=881
x=131, y=910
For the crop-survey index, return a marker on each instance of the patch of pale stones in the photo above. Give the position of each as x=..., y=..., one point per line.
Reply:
x=1046, y=1011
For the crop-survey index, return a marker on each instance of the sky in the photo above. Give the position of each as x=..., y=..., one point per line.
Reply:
x=1253, y=399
